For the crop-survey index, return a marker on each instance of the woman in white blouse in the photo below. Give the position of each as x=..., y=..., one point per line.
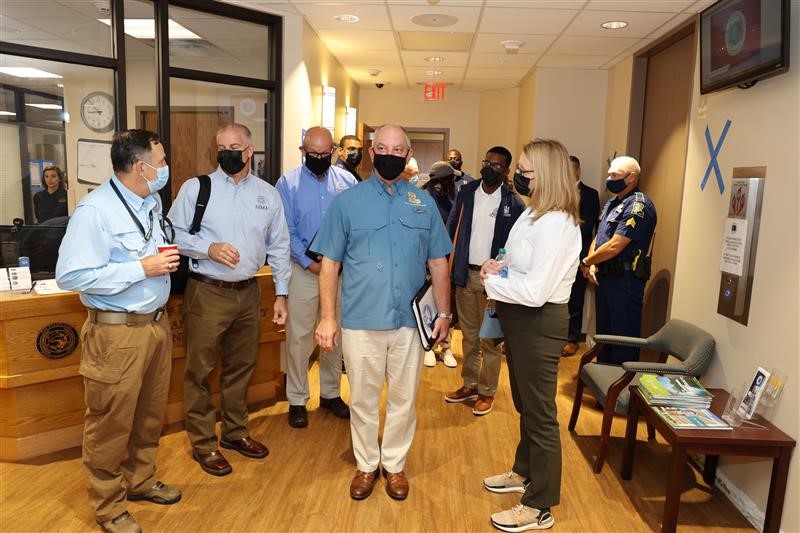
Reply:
x=542, y=258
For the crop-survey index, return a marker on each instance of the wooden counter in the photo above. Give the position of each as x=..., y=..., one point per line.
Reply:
x=41, y=398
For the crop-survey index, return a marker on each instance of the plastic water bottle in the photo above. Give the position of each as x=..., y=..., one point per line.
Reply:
x=501, y=258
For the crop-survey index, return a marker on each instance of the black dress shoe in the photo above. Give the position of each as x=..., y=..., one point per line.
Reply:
x=335, y=406
x=298, y=416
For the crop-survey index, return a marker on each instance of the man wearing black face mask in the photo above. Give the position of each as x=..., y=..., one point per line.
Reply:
x=307, y=193
x=350, y=154
x=455, y=160
x=484, y=213
x=384, y=231
x=618, y=261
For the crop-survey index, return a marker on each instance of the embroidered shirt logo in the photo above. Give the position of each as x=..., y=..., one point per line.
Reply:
x=412, y=198
x=261, y=203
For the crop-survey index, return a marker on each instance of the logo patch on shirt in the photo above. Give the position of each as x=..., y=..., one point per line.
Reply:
x=412, y=198
x=638, y=209
x=506, y=210
x=340, y=186
x=493, y=214
x=261, y=203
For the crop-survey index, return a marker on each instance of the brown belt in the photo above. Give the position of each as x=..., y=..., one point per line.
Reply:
x=238, y=285
x=476, y=268
x=119, y=318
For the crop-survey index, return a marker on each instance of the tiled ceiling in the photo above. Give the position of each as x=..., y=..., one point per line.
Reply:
x=553, y=33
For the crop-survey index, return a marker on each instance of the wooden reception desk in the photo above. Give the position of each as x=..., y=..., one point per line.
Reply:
x=41, y=392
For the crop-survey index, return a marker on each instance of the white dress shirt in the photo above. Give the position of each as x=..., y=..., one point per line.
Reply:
x=484, y=215
x=542, y=260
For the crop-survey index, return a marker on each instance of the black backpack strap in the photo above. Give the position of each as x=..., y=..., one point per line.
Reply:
x=202, y=201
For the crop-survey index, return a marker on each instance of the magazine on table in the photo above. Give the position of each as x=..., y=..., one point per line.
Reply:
x=690, y=418
x=674, y=390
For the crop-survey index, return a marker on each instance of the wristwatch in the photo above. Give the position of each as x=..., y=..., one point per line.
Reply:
x=584, y=263
x=446, y=316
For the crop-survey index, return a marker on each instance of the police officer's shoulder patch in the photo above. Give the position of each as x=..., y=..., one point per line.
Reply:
x=631, y=222
x=638, y=209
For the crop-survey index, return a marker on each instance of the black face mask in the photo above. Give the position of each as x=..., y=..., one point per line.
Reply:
x=318, y=167
x=230, y=161
x=455, y=164
x=522, y=184
x=491, y=176
x=354, y=158
x=389, y=166
x=615, y=186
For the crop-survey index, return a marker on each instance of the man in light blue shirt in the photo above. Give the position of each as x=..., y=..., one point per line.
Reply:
x=242, y=225
x=307, y=192
x=384, y=232
x=109, y=255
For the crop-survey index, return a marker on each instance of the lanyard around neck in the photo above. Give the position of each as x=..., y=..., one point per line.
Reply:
x=133, y=217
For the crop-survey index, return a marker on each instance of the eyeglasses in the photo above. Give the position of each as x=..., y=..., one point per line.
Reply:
x=497, y=167
x=524, y=171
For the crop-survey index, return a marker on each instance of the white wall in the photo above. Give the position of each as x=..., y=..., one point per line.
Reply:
x=497, y=122
x=764, y=131
x=571, y=107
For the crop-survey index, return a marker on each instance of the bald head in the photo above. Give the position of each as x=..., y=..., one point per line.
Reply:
x=318, y=140
x=624, y=165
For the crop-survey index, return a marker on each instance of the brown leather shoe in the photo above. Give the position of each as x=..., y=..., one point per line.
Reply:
x=396, y=485
x=464, y=394
x=483, y=405
x=569, y=349
x=362, y=484
x=213, y=463
x=246, y=446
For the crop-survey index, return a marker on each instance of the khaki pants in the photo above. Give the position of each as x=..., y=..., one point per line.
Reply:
x=231, y=320
x=303, y=316
x=371, y=357
x=534, y=338
x=482, y=359
x=125, y=371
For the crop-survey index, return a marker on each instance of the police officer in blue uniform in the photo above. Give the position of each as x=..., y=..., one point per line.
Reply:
x=618, y=261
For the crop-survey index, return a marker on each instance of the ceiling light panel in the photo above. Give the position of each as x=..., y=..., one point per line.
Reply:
x=587, y=23
x=662, y=6
x=592, y=46
x=402, y=15
x=489, y=43
x=146, y=29
x=28, y=72
x=322, y=16
x=525, y=21
x=451, y=59
x=45, y=106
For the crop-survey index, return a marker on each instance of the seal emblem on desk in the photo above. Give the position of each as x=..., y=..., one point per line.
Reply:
x=57, y=340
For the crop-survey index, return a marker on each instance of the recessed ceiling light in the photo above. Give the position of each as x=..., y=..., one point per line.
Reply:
x=434, y=20
x=433, y=72
x=60, y=85
x=434, y=59
x=614, y=24
x=347, y=18
x=45, y=106
x=7, y=114
x=146, y=29
x=28, y=72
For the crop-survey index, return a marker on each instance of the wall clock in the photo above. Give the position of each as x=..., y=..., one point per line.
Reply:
x=97, y=111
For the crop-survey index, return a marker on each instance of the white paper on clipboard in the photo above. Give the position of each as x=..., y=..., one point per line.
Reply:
x=424, y=308
x=94, y=161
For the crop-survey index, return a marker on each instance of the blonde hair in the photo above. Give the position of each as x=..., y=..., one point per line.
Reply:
x=555, y=188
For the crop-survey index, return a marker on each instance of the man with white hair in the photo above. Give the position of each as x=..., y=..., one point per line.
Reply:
x=618, y=261
x=384, y=231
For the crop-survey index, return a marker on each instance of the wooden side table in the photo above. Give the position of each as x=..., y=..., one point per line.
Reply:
x=746, y=440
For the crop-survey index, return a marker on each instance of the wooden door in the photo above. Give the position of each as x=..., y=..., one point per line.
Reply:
x=427, y=152
x=193, y=147
x=365, y=134
x=665, y=130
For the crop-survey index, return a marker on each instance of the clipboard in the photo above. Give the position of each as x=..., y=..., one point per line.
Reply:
x=424, y=308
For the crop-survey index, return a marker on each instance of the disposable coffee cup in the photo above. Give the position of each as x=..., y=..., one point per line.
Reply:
x=167, y=247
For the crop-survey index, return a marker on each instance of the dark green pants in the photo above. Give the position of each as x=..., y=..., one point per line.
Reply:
x=534, y=337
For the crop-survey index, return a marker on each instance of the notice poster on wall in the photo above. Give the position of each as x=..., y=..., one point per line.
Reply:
x=94, y=161
x=734, y=244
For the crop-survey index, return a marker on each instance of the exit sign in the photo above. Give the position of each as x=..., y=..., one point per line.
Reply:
x=434, y=92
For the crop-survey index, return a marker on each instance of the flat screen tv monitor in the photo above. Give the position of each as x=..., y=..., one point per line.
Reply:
x=743, y=41
x=38, y=243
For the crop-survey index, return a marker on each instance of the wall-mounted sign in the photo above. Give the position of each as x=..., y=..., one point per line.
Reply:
x=350, y=120
x=57, y=340
x=434, y=92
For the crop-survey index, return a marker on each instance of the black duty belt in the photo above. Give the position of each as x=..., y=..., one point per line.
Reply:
x=237, y=285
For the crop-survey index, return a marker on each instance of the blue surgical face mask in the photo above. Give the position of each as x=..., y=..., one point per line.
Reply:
x=162, y=176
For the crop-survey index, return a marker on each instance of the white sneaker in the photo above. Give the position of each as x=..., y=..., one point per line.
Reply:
x=508, y=482
x=522, y=518
x=430, y=358
x=449, y=360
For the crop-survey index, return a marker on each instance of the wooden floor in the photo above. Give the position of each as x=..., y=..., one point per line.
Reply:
x=303, y=484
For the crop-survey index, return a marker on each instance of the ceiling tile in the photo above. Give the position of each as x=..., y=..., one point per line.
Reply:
x=614, y=61
x=566, y=61
x=663, y=6
x=441, y=3
x=451, y=59
x=364, y=39
x=75, y=29
x=525, y=21
x=503, y=60
x=387, y=72
x=327, y=2
x=448, y=74
x=352, y=56
x=486, y=85
x=31, y=10
x=372, y=16
x=700, y=5
x=587, y=23
x=402, y=15
x=435, y=41
x=671, y=24
x=537, y=4
x=16, y=30
x=532, y=44
x=478, y=73
x=591, y=46
x=275, y=7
